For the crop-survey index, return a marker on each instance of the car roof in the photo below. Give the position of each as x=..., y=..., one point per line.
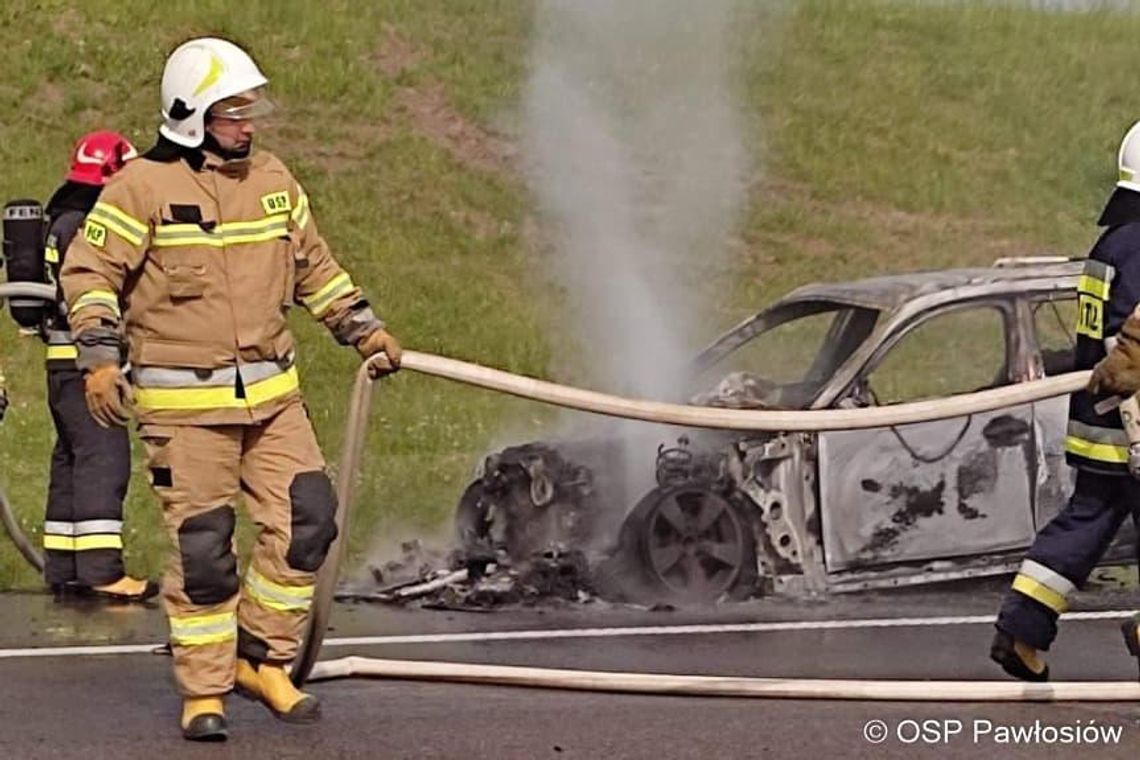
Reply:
x=891, y=291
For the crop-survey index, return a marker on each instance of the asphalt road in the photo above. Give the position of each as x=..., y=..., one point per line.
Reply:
x=124, y=705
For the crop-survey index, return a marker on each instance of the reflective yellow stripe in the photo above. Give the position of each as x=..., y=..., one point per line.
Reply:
x=168, y=235
x=1093, y=286
x=300, y=214
x=1101, y=452
x=97, y=298
x=51, y=254
x=112, y=211
x=1040, y=592
x=198, y=630
x=62, y=352
x=217, y=398
x=213, y=74
x=82, y=543
x=269, y=232
x=275, y=596
x=1047, y=577
x=119, y=222
x=319, y=302
x=230, y=233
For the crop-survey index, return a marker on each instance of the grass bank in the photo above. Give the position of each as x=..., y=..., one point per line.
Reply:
x=890, y=135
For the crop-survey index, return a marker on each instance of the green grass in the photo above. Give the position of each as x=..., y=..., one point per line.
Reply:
x=889, y=135
x=436, y=243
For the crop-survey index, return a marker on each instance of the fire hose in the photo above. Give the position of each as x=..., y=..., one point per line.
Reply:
x=8, y=517
x=307, y=668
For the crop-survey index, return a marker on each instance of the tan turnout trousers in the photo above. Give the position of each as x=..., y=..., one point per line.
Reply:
x=198, y=472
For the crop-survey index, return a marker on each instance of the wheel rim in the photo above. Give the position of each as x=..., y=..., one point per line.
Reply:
x=695, y=544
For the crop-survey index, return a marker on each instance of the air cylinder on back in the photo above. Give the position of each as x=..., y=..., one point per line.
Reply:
x=24, y=256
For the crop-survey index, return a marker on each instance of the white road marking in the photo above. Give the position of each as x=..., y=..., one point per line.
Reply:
x=581, y=633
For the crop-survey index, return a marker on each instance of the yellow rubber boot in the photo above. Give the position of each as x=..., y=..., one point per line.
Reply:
x=127, y=589
x=270, y=684
x=204, y=719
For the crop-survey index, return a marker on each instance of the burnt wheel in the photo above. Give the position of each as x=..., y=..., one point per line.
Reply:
x=690, y=545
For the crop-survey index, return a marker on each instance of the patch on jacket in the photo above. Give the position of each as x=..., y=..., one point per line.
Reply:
x=95, y=233
x=276, y=203
x=186, y=214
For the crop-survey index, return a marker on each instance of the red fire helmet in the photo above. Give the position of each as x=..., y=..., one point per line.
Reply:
x=98, y=155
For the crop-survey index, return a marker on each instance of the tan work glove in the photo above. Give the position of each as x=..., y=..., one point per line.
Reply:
x=1119, y=372
x=109, y=396
x=380, y=341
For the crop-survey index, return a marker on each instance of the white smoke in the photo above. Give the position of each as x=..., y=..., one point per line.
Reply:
x=633, y=147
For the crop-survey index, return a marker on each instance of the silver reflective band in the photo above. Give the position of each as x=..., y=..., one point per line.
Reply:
x=1094, y=434
x=83, y=527
x=1049, y=578
x=59, y=338
x=223, y=377
x=277, y=596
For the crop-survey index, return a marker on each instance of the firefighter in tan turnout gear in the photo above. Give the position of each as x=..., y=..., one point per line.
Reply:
x=206, y=244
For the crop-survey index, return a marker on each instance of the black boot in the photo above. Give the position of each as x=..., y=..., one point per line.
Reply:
x=204, y=720
x=1017, y=658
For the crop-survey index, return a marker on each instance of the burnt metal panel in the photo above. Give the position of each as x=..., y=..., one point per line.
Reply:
x=950, y=488
x=1054, y=477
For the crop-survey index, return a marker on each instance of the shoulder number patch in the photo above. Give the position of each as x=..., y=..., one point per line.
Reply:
x=95, y=233
x=276, y=203
x=1090, y=316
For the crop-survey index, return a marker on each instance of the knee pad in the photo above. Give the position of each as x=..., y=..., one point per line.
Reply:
x=312, y=502
x=209, y=567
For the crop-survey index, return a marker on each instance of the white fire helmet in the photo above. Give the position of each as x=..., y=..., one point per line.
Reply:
x=198, y=74
x=1128, y=161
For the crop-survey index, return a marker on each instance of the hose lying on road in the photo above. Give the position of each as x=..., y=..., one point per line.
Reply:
x=729, y=686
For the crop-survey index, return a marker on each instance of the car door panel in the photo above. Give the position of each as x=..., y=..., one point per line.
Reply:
x=939, y=489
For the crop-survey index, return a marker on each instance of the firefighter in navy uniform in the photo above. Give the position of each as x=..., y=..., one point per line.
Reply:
x=197, y=249
x=91, y=462
x=1096, y=445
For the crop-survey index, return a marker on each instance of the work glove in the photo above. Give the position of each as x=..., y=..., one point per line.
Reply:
x=1119, y=372
x=376, y=342
x=3, y=401
x=109, y=396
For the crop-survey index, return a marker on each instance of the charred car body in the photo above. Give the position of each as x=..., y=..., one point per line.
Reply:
x=716, y=514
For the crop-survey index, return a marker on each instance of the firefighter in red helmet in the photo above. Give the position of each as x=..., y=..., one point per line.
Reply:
x=91, y=463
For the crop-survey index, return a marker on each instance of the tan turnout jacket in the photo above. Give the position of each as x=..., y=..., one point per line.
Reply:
x=203, y=261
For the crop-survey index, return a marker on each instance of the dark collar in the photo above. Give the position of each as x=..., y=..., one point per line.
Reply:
x=73, y=196
x=167, y=151
x=1123, y=207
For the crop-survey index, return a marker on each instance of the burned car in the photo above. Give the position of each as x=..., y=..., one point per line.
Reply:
x=705, y=515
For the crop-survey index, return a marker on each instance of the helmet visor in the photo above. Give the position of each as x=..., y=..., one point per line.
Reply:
x=252, y=105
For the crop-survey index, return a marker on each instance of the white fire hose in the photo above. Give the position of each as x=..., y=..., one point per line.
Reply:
x=306, y=667
x=729, y=686
x=42, y=292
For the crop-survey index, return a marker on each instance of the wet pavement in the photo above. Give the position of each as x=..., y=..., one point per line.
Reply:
x=124, y=705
